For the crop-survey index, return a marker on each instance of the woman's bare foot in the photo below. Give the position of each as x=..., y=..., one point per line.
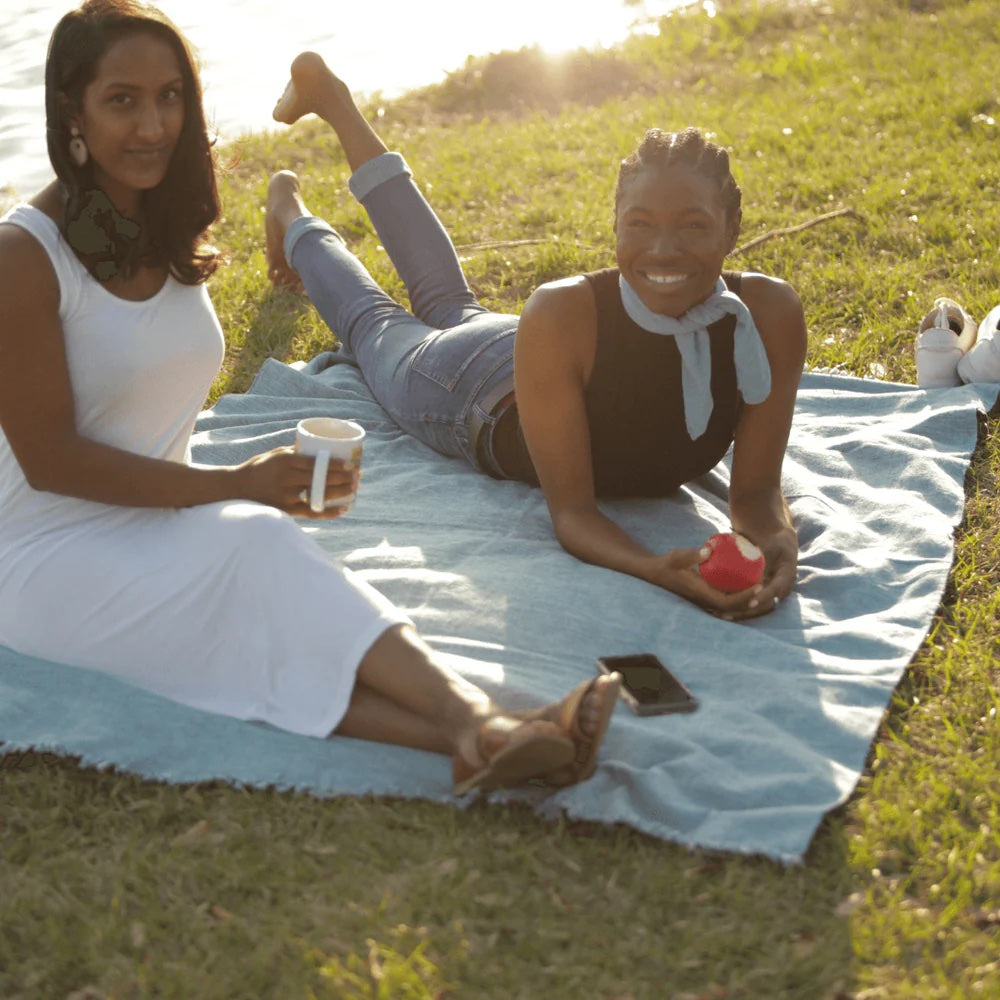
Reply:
x=284, y=206
x=313, y=89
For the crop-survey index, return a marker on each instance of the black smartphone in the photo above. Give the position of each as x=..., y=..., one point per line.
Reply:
x=648, y=686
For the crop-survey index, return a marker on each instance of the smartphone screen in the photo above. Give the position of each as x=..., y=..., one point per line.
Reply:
x=648, y=686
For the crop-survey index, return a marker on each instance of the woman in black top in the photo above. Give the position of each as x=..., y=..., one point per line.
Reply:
x=623, y=382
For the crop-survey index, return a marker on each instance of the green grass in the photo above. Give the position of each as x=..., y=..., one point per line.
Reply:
x=115, y=887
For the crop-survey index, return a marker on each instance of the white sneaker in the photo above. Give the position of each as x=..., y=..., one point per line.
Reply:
x=944, y=336
x=982, y=362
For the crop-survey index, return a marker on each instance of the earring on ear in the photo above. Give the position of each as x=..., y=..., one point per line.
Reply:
x=77, y=147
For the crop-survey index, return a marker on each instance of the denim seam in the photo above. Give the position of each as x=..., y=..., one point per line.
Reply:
x=457, y=373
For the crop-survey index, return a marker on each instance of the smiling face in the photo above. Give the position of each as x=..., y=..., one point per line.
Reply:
x=131, y=116
x=673, y=236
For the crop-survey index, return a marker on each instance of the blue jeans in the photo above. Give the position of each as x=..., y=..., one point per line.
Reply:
x=439, y=371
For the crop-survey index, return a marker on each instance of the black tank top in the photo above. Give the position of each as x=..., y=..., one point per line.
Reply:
x=635, y=407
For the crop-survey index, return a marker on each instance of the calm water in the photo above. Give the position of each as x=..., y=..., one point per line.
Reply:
x=415, y=44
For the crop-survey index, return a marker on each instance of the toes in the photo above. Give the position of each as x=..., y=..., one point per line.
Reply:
x=592, y=706
x=285, y=110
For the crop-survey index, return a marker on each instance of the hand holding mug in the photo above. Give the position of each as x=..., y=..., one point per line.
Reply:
x=329, y=438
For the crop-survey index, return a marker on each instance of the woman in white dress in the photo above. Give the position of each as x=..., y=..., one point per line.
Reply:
x=115, y=553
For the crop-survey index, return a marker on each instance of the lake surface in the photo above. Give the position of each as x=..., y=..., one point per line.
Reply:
x=245, y=47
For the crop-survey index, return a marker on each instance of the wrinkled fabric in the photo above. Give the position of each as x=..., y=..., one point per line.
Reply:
x=789, y=703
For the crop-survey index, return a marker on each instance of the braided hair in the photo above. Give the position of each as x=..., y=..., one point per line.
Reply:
x=688, y=148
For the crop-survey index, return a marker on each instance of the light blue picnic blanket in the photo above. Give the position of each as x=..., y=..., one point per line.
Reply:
x=789, y=702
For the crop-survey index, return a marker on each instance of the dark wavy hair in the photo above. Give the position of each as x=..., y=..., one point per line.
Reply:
x=179, y=210
x=688, y=148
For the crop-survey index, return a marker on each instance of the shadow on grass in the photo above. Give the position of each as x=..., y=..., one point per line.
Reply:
x=276, y=325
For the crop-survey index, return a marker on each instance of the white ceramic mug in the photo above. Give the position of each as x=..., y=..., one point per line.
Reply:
x=326, y=438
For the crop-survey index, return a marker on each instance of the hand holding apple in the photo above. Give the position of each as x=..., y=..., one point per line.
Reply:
x=735, y=562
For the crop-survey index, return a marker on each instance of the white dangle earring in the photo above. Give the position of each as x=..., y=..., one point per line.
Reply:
x=77, y=147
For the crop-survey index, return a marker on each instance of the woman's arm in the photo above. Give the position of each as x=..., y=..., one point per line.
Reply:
x=553, y=356
x=37, y=414
x=757, y=507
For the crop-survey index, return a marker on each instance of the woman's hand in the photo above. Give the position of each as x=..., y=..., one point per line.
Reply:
x=677, y=571
x=781, y=552
x=282, y=478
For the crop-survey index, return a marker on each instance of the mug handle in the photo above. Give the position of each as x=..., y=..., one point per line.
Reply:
x=317, y=493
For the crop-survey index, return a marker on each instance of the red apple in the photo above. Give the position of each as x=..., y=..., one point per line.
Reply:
x=734, y=564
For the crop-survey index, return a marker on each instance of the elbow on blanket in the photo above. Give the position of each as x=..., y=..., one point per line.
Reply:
x=566, y=526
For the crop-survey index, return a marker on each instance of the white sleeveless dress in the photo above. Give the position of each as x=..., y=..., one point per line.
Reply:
x=228, y=607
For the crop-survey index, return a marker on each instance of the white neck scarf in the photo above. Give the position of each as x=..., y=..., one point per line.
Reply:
x=753, y=373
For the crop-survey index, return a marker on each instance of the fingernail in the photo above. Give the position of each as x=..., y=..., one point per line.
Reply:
x=705, y=552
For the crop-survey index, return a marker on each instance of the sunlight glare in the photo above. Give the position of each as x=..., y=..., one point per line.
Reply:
x=245, y=46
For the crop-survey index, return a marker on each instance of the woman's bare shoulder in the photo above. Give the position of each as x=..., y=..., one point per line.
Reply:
x=765, y=291
x=562, y=299
x=26, y=272
x=558, y=329
x=778, y=314
x=20, y=255
x=16, y=238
